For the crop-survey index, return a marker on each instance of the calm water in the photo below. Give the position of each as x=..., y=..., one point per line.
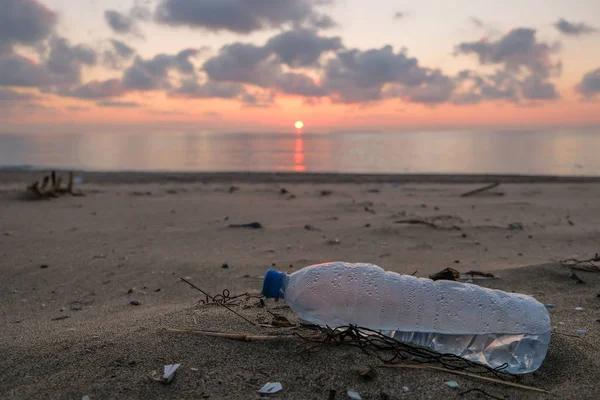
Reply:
x=558, y=152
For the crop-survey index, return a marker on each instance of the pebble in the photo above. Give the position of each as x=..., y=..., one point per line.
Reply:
x=135, y=303
x=405, y=388
x=579, y=308
x=225, y=266
x=582, y=331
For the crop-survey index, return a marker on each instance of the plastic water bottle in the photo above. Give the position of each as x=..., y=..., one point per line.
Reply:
x=487, y=326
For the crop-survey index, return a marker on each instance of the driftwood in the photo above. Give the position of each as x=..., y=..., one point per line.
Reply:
x=483, y=189
x=51, y=186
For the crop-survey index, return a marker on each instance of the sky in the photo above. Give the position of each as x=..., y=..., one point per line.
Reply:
x=261, y=65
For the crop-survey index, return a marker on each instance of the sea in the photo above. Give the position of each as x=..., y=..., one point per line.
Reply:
x=560, y=151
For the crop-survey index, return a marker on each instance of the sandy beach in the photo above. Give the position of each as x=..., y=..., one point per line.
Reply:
x=71, y=266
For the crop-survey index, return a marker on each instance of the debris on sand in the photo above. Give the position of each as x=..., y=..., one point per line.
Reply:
x=251, y=225
x=43, y=191
x=437, y=222
x=353, y=395
x=477, y=275
x=483, y=189
x=167, y=375
x=309, y=227
x=576, y=278
x=590, y=265
x=452, y=384
x=448, y=274
x=280, y=321
x=515, y=226
x=270, y=388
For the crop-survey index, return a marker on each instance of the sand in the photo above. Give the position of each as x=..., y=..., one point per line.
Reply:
x=133, y=235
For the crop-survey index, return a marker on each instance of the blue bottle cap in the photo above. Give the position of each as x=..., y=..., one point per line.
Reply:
x=272, y=283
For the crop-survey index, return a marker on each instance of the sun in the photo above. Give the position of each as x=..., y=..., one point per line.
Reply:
x=299, y=124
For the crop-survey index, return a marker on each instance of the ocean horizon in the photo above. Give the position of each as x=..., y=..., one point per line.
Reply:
x=561, y=152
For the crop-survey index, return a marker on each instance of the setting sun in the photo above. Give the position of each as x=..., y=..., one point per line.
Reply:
x=299, y=124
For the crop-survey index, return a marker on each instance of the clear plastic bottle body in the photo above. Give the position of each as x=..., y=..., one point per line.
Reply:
x=488, y=326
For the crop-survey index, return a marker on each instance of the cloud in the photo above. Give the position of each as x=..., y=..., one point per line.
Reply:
x=501, y=85
x=357, y=76
x=65, y=62
x=573, y=28
x=7, y=95
x=534, y=88
x=243, y=63
x=527, y=65
x=122, y=49
x=517, y=49
x=124, y=24
x=477, y=22
x=62, y=67
x=322, y=21
x=438, y=88
x=302, y=47
x=257, y=100
x=590, y=84
x=24, y=22
x=119, y=104
x=120, y=23
x=239, y=16
x=96, y=90
x=299, y=84
x=191, y=89
x=77, y=108
x=116, y=58
x=18, y=71
x=153, y=74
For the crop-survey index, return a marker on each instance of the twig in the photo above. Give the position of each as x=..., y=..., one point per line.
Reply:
x=481, y=190
x=583, y=265
x=232, y=336
x=417, y=221
x=449, y=371
x=480, y=391
x=213, y=299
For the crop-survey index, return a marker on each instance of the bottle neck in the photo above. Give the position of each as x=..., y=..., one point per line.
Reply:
x=283, y=286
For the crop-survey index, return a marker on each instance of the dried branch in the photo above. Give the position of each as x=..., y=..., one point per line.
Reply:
x=471, y=375
x=589, y=265
x=232, y=336
x=419, y=221
x=481, y=190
